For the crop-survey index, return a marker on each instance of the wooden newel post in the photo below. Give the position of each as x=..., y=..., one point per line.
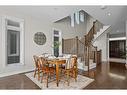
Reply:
x=77, y=45
x=96, y=59
x=88, y=58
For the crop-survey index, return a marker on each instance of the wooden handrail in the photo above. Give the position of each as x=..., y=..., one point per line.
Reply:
x=89, y=46
x=81, y=42
x=85, y=49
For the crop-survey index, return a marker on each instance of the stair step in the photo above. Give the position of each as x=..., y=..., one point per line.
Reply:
x=85, y=68
x=100, y=32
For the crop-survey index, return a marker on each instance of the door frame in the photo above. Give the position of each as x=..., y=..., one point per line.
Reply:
x=4, y=40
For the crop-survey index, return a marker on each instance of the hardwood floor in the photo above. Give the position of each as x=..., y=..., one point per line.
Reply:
x=19, y=81
x=107, y=76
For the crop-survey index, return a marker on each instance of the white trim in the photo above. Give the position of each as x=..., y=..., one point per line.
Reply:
x=108, y=46
x=15, y=72
x=60, y=40
x=4, y=36
x=13, y=28
x=3, y=41
x=126, y=43
x=119, y=38
x=22, y=46
x=120, y=60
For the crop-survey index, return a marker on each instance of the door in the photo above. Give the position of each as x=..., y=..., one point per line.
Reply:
x=13, y=46
x=13, y=40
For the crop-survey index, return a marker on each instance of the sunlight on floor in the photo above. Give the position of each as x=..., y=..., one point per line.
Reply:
x=117, y=76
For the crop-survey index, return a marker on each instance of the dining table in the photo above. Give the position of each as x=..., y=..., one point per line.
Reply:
x=57, y=62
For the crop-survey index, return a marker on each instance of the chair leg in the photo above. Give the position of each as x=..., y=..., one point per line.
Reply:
x=75, y=76
x=38, y=75
x=42, y=77
x=68, y=77
x=35, y=73
x=50, y=75
x=47, y=80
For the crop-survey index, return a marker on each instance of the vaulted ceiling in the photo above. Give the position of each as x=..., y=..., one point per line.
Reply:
x=108, y=15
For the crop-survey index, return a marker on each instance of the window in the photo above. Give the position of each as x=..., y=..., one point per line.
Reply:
x=57, y=40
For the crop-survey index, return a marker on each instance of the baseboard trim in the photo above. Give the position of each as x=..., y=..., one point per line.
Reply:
x=15, y=72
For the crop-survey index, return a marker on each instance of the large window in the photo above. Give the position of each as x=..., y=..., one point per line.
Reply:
x=57, y=40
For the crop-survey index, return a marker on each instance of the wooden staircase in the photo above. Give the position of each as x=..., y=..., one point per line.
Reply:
x=91, y=52
x=84, y=47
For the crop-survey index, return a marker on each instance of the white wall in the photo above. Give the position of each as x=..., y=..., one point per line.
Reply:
x=101, y=43
x=31, y=27
x=78, y=30
x=68, y=31
x=89, y=21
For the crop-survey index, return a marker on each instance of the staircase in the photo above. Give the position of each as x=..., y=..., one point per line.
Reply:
x=84, y=49
x=91, y=51
x=96, y=36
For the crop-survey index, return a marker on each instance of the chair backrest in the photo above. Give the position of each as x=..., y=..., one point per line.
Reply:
x=36, y=58
x=46, y=55
x=74, y=61
x=71, y=62
x=43, y=61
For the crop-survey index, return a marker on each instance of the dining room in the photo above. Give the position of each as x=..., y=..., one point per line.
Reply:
x=57, y=72
x=51, y=47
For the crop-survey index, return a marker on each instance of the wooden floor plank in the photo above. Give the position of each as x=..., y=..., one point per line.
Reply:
x=107, y=76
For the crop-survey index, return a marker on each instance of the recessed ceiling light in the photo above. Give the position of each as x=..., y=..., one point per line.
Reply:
x=109, y=14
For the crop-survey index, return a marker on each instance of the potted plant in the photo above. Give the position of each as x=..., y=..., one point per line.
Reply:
x=55, y=46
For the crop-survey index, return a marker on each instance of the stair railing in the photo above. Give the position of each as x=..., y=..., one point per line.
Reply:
x=84, y=49
x=88, y=43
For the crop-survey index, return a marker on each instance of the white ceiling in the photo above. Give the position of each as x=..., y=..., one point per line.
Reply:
x=54, y=13
x=116, y=19
x=50, y=13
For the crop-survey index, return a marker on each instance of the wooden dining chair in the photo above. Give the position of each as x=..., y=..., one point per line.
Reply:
x=70, y=69
x=38, y=68
x=47, y=71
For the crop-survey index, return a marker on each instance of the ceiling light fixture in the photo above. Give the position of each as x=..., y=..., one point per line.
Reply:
x=109, y=14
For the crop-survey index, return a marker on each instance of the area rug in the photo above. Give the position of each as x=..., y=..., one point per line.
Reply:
x=81, y=83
